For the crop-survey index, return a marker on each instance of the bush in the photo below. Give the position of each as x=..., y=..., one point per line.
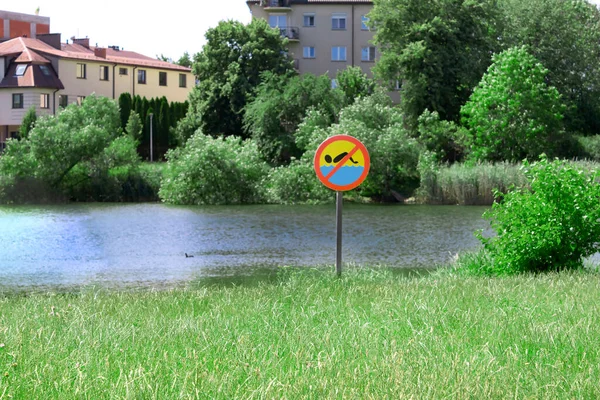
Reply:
x=214, y=171
x=513, y=113
x=550, y=226
x=590, y=147
x=296, y=183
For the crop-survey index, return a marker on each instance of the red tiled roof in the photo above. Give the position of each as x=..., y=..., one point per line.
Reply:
x=75, y=51
x=30, y=56
x=33, y=77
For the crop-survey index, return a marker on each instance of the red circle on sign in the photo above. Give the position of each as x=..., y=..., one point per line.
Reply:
x=326, y=179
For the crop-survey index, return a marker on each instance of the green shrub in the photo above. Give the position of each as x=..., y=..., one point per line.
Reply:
x=214, y=171
x=590, y=147
x=548, y=227
x=296, y=183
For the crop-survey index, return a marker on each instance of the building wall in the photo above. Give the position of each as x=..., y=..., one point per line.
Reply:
x=122, y=83
x=322, y=37
x=16, y=24
x=31, y=97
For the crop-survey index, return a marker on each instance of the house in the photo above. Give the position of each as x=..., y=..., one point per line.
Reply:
x=324, y=35
x=47, y=74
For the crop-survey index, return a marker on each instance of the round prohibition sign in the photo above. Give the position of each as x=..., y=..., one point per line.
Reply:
x=342, y=162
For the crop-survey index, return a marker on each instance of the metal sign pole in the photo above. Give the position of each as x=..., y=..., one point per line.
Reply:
x=338, y=223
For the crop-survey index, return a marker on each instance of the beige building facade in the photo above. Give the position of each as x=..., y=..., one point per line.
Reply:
x=47, y=74
x=324, y=35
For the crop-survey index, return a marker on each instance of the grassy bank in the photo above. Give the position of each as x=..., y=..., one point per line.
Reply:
x=368, y=335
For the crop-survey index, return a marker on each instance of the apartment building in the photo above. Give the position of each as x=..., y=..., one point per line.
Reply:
x=48, y=74
x=14, y=25
x=324, y=35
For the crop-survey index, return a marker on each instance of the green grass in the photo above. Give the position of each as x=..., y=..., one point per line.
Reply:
x=310, y=335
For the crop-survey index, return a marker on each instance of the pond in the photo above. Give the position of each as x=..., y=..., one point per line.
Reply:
x=144, y=245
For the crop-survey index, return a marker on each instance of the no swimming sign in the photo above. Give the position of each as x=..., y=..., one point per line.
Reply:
x=342, y=162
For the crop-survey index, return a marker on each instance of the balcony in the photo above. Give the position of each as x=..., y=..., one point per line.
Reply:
x=290, y=32
x=276, y=5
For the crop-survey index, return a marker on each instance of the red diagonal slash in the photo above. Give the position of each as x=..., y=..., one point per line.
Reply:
x=341, y=163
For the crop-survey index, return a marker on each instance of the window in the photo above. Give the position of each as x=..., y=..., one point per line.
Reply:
x=103, y=73
x=45, y=70
x=81, y=71
x=277, y=21
x=334, y=83
x=123, y=71
x=63, y=100
x=142, y=76
x=17, y=100
x=309, y=19
x=398, y=85
x=182, y=80
x=363, y=22
x=44, y=100
x=338, y=53
x=162, y=78
x=309, y=52
x=368, y=54
x=338, y=21
x=80, y=100
x=21, y=69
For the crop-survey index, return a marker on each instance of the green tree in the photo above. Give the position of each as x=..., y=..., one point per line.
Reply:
x=439, y=49
x=354, y=83
x=66, y=151
x=149, y=134
x=513, y=113
x=125, y=107
x=564, y=37
x=163, y=126
x=185, y=60
x=229, y=69
x=134, y=126
x=28, y=123
x=280, y=105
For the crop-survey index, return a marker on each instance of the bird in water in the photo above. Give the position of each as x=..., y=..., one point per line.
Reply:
x=338, y=158
x=188, y=255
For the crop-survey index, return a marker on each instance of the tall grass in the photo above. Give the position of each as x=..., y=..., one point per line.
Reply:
x=309, y=335
x=468, y=184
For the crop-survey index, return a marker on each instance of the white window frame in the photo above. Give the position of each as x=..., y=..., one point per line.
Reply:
x=309, y=15
x=337, y=52
x=22, y=68
x=336, y=22
x=81, y=71
x=309, y=52
x=367, y=54
x=104, y=73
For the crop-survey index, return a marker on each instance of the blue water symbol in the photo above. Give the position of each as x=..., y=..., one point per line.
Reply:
x=343, y=176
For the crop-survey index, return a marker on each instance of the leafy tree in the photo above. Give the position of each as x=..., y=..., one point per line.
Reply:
x=185, y=60
x=150, y=134
x=28, y=123
x=125, y=107
x=564, y=37
x=229, y=69
x=163, y=126
x=134, y=126
x=443, y=139
x=213, y=171
x=549, y=225
x=439, y=49
x=513, y=113
x=280, y=105
x=164, y=58
x=66, y=151
x=354, y=83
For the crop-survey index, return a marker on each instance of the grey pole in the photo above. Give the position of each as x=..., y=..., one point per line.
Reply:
x=338, y=224
x=151, y=152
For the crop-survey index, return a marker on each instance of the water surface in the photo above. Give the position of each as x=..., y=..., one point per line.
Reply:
x=145, y=244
